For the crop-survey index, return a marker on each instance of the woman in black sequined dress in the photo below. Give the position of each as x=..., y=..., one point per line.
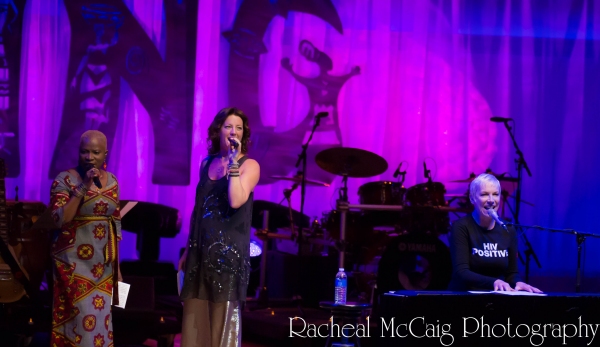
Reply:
x=217, y=258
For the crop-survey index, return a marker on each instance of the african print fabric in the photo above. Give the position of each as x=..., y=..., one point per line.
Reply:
x=82, y=254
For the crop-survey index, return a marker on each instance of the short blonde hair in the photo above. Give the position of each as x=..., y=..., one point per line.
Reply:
x=478, y=182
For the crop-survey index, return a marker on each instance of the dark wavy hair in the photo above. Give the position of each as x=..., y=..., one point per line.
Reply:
x=214, y=130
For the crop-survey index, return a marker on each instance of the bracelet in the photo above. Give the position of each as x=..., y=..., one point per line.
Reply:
x=234, y=174
x=233, y=166
x=80, y=190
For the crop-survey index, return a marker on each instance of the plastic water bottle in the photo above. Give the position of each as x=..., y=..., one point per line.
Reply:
x=341, y=286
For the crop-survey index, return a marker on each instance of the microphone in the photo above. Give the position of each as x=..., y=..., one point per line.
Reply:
x=425, y=171
x=500, y=119
x=95, y=179
x=397, y=172
x=97, y=182
x=233, y=143
x=494, y=215
x=322, y=115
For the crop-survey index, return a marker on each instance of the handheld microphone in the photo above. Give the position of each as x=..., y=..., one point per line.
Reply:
x=322, y=115
x=95, y=179
x=97, y=182
x=233, y=143
x=500, y=119
x=494, y=215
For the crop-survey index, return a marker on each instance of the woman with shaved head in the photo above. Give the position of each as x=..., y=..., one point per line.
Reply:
x=85, y=206
x=484, y=252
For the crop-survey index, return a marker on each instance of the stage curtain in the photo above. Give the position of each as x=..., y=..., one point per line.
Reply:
x=431, y=75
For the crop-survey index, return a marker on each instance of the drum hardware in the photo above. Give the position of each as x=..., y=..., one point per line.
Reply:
x=349, y=162
x=301, y=163
x=287, y=194
x=298, y=179
x=279, y=215
x=382, y=193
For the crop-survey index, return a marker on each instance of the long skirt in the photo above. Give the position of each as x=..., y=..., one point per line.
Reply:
x=209, y=324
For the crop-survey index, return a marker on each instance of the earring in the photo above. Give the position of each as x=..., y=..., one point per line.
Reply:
x=104, y=165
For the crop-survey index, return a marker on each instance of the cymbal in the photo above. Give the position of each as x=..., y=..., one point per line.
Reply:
x=279, y=216
x=466, y=180
x=500, y=177
x=351, y=162
x=298, y=179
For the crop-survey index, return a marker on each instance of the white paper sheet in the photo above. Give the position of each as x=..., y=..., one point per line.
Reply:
x=123, y=293
x=516, y=293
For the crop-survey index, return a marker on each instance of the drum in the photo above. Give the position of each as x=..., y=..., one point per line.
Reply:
x=426, y=194
x=421, y=215
x=414, y=262
x=381, y=193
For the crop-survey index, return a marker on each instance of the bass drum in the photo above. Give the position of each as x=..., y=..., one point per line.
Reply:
x=414, y=262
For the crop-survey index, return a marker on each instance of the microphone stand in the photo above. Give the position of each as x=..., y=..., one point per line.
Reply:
x=287, y=195
x=579, y=237
x=521, y=164
x=302, y=160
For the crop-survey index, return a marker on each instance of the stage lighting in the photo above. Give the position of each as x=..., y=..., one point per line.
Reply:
x=255, y=249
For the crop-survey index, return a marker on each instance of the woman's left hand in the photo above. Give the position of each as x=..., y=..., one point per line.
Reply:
x=526, y=288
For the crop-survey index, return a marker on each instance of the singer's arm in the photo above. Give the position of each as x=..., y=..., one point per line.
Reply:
x=241, y=186
x=70, y=209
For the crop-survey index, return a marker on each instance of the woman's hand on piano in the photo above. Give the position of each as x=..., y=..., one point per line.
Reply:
x=500, y=285
x=527, y=288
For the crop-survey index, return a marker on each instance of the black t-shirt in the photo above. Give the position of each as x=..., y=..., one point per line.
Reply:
x=481, y=256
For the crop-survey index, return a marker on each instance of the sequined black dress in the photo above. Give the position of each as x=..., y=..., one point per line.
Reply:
x=218, y=261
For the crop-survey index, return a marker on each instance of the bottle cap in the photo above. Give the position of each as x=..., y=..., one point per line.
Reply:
x=341, y=269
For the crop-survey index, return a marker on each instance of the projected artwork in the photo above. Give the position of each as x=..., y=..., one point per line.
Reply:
x=108, y=46
x=11, y=19
x=272, y=149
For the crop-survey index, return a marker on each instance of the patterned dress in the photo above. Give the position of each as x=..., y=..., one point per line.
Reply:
x=83, y=256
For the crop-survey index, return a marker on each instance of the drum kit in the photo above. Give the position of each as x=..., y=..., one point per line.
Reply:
x=394, y=229
x=390, y=220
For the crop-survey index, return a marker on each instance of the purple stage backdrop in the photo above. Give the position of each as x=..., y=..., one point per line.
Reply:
x=412, y=81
